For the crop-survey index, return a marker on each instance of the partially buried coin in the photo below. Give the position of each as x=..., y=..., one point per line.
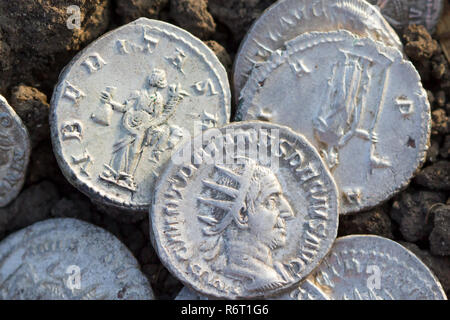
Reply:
x=359, y=102
x=14, y=153
x=363, y=267
x=244, y=211
x=401, y=13
x=286, y=19
x=306, y=291
x=67, y=259
x=126, y=101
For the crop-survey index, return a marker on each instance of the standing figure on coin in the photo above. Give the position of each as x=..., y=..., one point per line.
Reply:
x=252, y=227
x=143, y=113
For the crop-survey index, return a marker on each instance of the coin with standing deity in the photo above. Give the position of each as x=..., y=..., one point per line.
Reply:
x=126, y=101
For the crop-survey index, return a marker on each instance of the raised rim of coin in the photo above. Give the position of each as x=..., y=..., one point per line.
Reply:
x=175, y=32
x=389, y=250
x=31, y=255
x=257, y=82
x=289, y=23
x=12, y=193
x=309, y=235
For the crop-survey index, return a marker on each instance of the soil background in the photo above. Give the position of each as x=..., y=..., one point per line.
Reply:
x=35, y=45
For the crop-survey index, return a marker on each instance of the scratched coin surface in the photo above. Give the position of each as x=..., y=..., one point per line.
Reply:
x=359, y=102
x=14, y=153
x=68, y=259
x=286, y=19
x=363, y=267
x=125, y=102
x=244, y=211
x=401, y=13
x=306, y=291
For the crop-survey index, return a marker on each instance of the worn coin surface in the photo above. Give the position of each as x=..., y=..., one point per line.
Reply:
x=363, y=267
x=126, y=101
x=244, y=211
x=401, y=13
x=286, y=19
x=68, y=259
x=359, y=102
x=14, y=153
x=306, y=291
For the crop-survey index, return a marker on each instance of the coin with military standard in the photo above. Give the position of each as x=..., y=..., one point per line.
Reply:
x=68, y=259
x=360, y=103
x=287, y=19
x=366, y=267
x=14, y=153
x=244, y=211
x=401, y=13
x=126, y=101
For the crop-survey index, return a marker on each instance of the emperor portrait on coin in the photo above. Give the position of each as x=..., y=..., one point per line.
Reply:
x=244, y=211
x=126, y=101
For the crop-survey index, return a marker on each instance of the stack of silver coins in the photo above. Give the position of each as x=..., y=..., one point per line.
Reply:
x=331, y=119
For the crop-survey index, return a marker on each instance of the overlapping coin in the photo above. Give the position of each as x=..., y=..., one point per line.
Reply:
x=357, y=101
x=244, y=211
x=287, y=19
x=126, y=101
x=401, y=13
x=363, y=267
x=306, y=291
x=14, y=153
x=67, y=259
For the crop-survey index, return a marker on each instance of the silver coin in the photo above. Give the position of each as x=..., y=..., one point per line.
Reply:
x=401, y=13
x=306, y=291
x=14, y=153
x=244, y=211
x=363, y=267
x=68, y=259
x=360, y=103
x=125, y=102
x=286, y=19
